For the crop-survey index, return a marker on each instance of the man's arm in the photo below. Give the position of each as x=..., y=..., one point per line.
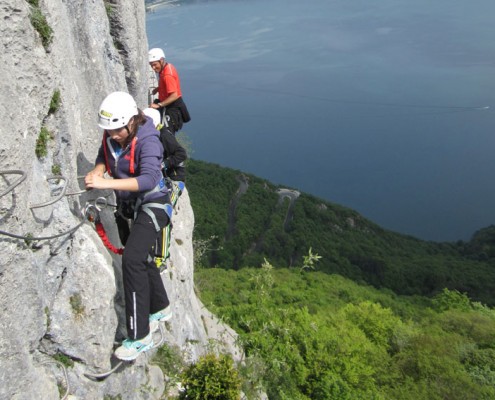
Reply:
x=164, y=103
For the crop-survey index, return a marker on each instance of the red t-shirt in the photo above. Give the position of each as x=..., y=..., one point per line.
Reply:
x=168, y=82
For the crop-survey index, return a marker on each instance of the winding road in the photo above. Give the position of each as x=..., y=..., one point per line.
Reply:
x=292, y=195
x=243, y=187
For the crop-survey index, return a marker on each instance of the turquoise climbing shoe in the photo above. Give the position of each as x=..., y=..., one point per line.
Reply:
x=160, y=316
x=131, y=349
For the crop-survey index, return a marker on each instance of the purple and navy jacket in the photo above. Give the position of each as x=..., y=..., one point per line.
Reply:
x=141, y=159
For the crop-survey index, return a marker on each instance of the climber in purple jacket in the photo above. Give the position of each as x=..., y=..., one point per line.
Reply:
x=131, y=153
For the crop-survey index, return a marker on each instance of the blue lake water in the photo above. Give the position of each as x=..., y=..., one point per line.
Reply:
x=385, y=106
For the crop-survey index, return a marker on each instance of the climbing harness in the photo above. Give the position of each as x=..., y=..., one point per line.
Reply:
x=177, y=189
x=162, y=245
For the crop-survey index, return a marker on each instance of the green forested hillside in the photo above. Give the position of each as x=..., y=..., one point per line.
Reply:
x=329, y=305
x=244, y=220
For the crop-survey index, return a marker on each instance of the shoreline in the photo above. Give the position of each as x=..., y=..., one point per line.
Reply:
x=152, y=6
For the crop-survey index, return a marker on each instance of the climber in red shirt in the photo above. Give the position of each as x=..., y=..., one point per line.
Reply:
x=170, y=102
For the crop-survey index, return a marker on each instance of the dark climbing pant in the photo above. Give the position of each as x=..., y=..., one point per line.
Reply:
x=143, y=287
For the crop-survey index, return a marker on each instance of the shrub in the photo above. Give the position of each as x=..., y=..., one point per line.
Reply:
x=55, y=102
x=56, y=169
x=211, y=378
x=109, y=8
x=77, y=305
x=42, y=142
x=64, y=359
x=38, y=20
x=451, y=299
x=48, y=319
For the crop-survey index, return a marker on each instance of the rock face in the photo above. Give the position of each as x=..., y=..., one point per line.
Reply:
x=60, y=288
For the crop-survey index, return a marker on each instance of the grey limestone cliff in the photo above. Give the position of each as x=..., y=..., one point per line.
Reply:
x=61, y=297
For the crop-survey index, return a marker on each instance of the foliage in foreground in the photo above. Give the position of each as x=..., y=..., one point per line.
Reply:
x=321, y=336
x=211, y=378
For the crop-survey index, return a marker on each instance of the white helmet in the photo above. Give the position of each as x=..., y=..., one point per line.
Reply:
x=154, y=114
x=116, y=110
x=155, y=54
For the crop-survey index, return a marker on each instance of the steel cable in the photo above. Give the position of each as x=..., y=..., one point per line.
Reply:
x=57, y=198
x=16, y=183
x=66, y=376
